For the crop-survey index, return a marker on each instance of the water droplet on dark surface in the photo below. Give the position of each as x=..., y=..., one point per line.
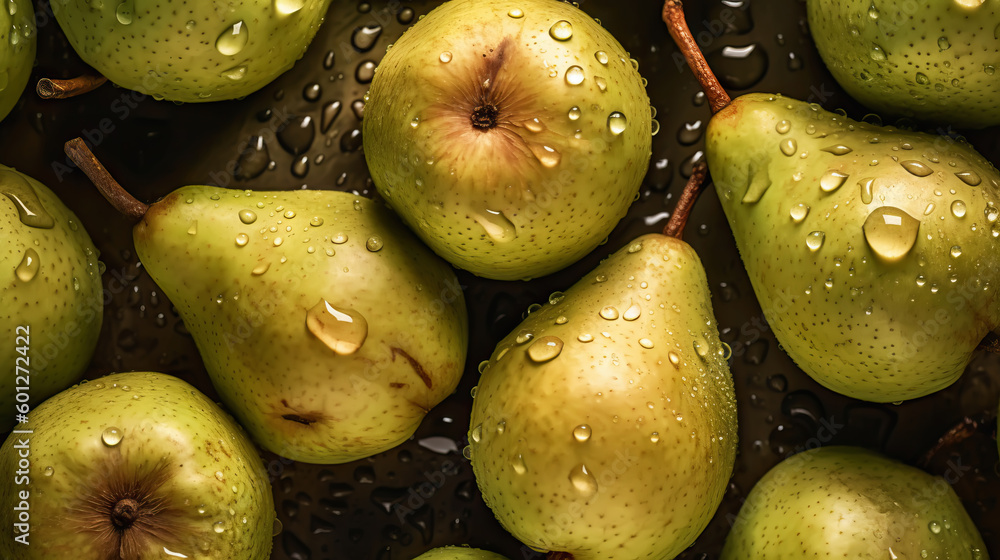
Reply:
x=739, y=67
x=296, y=134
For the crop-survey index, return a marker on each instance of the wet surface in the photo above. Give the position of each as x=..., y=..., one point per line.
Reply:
x=303, y=131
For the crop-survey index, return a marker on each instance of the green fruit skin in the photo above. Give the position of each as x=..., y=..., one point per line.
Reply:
x=499, y=203
x=169, y=49
x=459, y=553
x=163, y=421
x=881, y=331
x=60, y=308
x=935, y=60
x=663, y=437
x=251, y=329
x=17, y=51
x=847, y=502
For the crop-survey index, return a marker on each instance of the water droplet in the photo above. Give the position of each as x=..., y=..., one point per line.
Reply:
x=632, y=313
x=477, y=433
x=989, y=69
x=838, y=150
x=575, y=113
x=497, y=226
x=832, y=181
x=242, y=239
x=124, y=12
x=523, y=336
x=956, y=251
x=583, y=481
x=193, y=230
x=609, y=313
x=602, y=56
x=916, y=168
x=27, y=269
x=815, y=240
x=958, y=209
x=890, y=232
x=278, y=241
x=233, y=39
x=342, y=330
x=935, y=527
x=296, y=135
x=646, y=343
x=575, y=75
x=867, y=190
x=970, y=178
x=602, y=84
x=673, y=358
x=799, y=213
x=219, y=527
x=617, y=123
x=561, y=30
x=29, y=209
x=877, y=54
x=585, y=337
x=545, y=348
x=788, y=146
x=546, y=155
x=783, y=127
x=364, y=38
x=445, y=57
x=286, y=7
x=517, y=463
x=582, y=433
x=49, y=471
x=339, y=238
x=739, y=67
x=111, y=436
x=374, y=243
x=516, y=13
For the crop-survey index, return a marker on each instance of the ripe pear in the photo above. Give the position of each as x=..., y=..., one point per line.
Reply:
x=191, y=51
x=511, y=135
x=130, y=466
x=51, y=298
x=932, y=60
x=848, y=502
x=327, y=329
x=17, y=51
x=604, y=426
x=873, y=250
x=459, y=553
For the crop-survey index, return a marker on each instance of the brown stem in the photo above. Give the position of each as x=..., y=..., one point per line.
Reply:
x=673, y=16
x=559, y=556
x=49, y=88
x=693, y=188
x=125, y=203
x=956, y=435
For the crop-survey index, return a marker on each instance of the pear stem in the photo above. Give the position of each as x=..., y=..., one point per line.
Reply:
x=693, y=188
x=49, y=88
x=673, y=16
x=85, y=159
x=957, y=434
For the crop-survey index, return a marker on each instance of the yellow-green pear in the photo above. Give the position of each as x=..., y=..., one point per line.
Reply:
x=18, y=44
x=510, y=135
x=327, y=328
x=459, y=553
x=604, y=426
x=51, y=298
x=848, y=502
x=133, y=466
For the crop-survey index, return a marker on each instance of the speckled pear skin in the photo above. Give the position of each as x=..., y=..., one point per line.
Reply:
x=548, y=183
x=851, y=503
x=459, y=553
x=621, y=446
x=169, y=49
x=17, y=51
x=295, y=395
x=933, y=61
x=61, y=305
x=872, y=328
x=171, y=434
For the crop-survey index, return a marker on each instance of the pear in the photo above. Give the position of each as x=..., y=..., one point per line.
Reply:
x=849, y=502
x=459, y=553
x=327, y=329
x=932, y=60
x=130, y=466
x=192, y=51
x=873, y=250
x=51, y=298
x=604, y=426
x=510, y=135
x=17, y=51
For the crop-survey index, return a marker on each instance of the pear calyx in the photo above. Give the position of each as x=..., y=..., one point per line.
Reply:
x=673, y=16
x=50, y=88
x=124, y=513
x=78, y=152
x=484, y=117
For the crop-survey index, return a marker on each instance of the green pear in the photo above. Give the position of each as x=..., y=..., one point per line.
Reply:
x=17, y=51
x=130, y=466
x=511, y=135
x=326, y=327
x=848, y=502
x=51, y=298
x=190, y=51
x=932, y=60
x=605, y=425
x=873, y=251
x=459, y=553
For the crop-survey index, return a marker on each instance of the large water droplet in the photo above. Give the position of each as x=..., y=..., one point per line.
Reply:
x=236, y=73
x=583, y=481
x=124, y=12
x=739, y=67
x=233, y=39
x=575, y=75
x=253, y=160
x=609, y=313
x=561, y=30
x=296, y=134
x=877, y=54
x=445, y=57
x=497, y=226
x=516, y=13
x=582, y=433
x=286, y=7
x=832, y=181
x=788, y=146
x=242, y=239
x=916, y=168
x=632, y=313
x=617, y=123
x=363, y=38
x=111, y=436
x=799, y=212
x=602, y=56
x=27, y=269
x=956, y=251
x=838, y=149
x=970, y=178
x=248, y=216
x=890, y=232
x=342, y=330
x=545, y=348
x=29, y=209
x=815, y=240
x=867, y=190
x=517, y=463
x=958, y=209
x=783, y=127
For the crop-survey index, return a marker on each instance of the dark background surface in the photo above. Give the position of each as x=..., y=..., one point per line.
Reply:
x=422, y=494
